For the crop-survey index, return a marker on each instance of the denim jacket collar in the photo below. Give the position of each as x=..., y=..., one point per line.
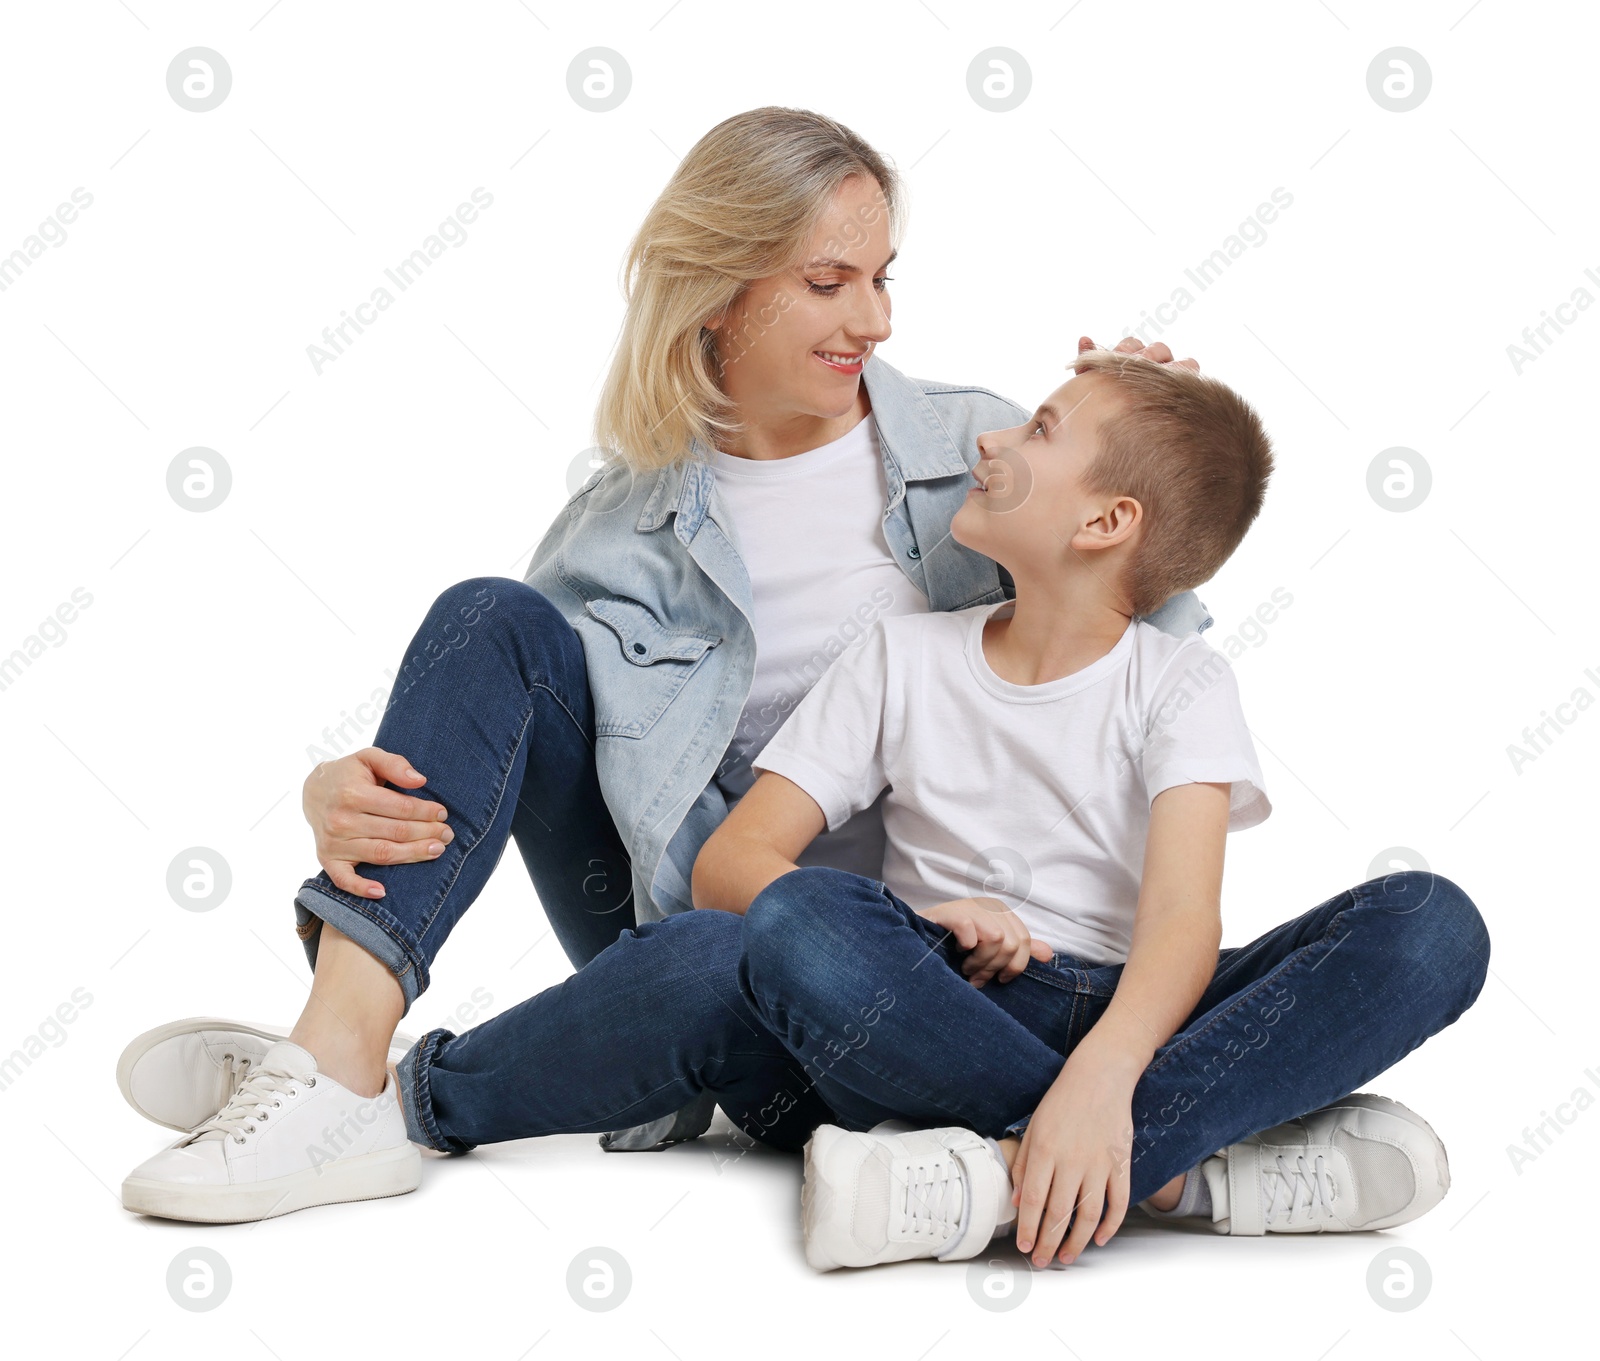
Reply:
x=915, y=444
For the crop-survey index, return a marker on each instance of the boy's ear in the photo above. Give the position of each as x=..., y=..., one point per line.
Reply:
x=1116, y=523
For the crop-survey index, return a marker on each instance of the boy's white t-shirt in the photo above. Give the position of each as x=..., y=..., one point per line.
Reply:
x=1038, y=795
x=810, y=528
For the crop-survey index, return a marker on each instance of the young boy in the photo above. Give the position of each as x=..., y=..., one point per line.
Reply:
x=1061, y=778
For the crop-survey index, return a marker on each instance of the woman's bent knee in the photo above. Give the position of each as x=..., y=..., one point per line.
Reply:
x=477, y=600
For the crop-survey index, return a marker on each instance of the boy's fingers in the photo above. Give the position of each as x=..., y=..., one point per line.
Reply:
x=1035, y=1192
x=1018, y=962
x=990, y=928
x=1019, y=1166
x=979, y=965
x=965, y=933
x=1159, y=352
x=1112, y=1221
x=1116, y=1200
x=1088, y=1217
x=1040, y=951
x=1057, y=1215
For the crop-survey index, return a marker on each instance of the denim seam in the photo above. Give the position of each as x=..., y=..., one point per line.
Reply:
x=853, y=1057
x=1242, y=999
x=421, y=1089
x=505, y=779
x=384, y=921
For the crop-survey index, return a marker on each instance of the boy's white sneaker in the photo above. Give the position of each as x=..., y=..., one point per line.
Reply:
x=182, y=1073
x=289, y=1137
x=1364, y=1162
x=897, y=1194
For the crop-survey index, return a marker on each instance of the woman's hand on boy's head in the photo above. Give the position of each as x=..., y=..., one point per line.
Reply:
x=1159, y=353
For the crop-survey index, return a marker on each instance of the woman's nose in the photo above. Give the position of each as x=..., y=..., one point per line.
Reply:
x=871, y=319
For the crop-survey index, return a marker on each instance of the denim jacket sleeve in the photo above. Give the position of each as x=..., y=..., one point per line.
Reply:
x=1182, y=614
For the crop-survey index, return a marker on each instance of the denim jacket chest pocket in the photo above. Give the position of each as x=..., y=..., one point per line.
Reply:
x=629, y=698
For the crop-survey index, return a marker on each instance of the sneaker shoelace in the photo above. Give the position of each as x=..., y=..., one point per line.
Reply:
x=1302, y=1188
x=933, y=1196
x=238, y=1070
x=252, y=1103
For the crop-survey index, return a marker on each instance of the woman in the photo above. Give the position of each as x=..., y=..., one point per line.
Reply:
x=775, y=486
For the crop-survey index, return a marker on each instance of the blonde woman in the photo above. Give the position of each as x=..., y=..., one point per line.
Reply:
x=774, y=487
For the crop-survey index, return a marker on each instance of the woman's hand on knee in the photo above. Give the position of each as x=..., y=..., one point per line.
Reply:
x=356, y=821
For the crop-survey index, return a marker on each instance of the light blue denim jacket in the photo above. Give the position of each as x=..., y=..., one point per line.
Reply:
x=648, y=570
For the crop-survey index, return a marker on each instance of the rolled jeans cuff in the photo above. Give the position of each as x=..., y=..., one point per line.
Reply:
x=366, y=923
x=416, y=1097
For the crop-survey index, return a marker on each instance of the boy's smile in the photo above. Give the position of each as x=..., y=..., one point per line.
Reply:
x=1030, y=510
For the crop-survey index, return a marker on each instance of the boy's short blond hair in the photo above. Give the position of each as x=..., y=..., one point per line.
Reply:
x=1196, y=457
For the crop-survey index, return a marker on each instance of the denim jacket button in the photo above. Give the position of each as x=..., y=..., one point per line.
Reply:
x=639, y=648
x=914, y=551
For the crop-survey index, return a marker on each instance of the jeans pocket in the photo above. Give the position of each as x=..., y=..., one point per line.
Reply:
x=1090, y=990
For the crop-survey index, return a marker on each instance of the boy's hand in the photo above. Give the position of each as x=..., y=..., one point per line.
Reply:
x=1158, y=353
x=1075, y=1159
x=997, y=943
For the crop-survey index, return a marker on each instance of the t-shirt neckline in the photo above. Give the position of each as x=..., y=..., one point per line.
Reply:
x=1059, y=688
x=795, y=465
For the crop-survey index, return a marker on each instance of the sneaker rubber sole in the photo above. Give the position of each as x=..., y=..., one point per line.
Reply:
x=369, y=1176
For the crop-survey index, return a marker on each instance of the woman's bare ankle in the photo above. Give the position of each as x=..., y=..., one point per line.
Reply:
x=351, y=1015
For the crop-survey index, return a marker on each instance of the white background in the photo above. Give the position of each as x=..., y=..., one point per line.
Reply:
x=180, y=708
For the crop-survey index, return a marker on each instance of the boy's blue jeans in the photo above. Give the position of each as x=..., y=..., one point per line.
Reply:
x=831, y=1000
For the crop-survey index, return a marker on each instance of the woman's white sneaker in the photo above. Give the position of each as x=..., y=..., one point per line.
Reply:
x=897, y=1194
x=1364, y=1162
x=182, y=1073
x=288, y=1138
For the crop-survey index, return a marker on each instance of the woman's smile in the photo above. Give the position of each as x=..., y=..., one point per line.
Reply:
x=843, y=363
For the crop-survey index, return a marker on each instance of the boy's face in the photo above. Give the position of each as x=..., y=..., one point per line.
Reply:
x=1030, y=506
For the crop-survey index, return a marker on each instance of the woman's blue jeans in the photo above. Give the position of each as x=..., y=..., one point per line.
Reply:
x=831, y=1000
x=492, y=704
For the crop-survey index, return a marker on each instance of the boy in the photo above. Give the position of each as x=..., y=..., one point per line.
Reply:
x=1061, y=778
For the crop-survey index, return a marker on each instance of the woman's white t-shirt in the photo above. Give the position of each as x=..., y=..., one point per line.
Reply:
x=810, y=530
x=1038, y=795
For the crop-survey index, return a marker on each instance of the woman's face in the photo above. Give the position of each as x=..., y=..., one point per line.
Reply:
x=793, y=345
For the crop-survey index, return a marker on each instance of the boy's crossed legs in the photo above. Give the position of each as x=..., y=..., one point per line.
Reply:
x=869, y=997
x=833, y=1001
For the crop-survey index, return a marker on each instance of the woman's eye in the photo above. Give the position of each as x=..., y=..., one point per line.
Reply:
x=829, y=290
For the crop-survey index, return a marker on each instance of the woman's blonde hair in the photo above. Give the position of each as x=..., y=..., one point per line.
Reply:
x=741, y=206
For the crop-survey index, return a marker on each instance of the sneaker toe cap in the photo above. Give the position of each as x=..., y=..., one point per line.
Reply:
x=202, y=1163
